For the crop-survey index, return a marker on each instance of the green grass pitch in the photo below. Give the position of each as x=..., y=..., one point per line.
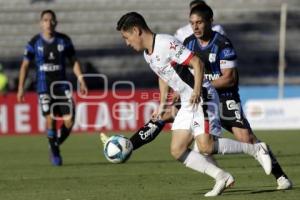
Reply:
x=151, y=173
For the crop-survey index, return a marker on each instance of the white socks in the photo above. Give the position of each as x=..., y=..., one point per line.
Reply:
x=229, y=146
x=200, y=163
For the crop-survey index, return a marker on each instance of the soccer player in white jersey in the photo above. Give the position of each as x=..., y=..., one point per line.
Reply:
x=162, y=52
x=186, y=31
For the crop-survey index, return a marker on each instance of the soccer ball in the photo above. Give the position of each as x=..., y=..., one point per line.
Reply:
x=117, y=149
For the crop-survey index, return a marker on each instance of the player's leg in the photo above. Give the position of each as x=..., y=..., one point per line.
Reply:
x=65, y=128
x=207, y=131
x=150, y=130
x=142, y=136
x=235, y=121
x=181, y=139
x=66, y=109
x=198, y=162
x=147, y=133
x=282, y=179
x=45, y=103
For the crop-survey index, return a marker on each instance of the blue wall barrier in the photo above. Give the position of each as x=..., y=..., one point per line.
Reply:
x=267, y=92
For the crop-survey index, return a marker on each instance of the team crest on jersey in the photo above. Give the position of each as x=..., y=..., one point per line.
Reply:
x=173, y=45
x=51, y=56
x=60, y=47
x=212, y=57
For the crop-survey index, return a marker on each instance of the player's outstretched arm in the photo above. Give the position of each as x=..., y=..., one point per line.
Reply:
x=77, y=71
x=22, y=77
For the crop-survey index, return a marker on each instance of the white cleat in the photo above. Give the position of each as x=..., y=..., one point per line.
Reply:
x=284, y=183
x=226, y=181
x=263, y=157
x=103, y=138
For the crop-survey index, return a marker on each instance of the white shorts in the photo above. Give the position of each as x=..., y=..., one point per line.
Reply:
x=204, y=120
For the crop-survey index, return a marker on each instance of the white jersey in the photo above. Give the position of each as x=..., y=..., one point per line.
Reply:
x=168, y=52
x=187, y=30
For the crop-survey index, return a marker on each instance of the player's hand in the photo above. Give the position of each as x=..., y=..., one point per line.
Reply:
x=83, y=88
x=20, y=95
x=157, y=115
x=195, y=99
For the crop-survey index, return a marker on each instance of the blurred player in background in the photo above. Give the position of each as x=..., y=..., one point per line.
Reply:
x=187, y=30
x=220, y=60
x=49, y=50
x=162, y=53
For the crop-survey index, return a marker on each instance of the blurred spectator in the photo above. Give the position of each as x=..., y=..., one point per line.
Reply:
x=3, y=81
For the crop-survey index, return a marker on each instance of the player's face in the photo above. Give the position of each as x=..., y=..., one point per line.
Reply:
x=200, y=26
x=133, y=39
x=48, y=23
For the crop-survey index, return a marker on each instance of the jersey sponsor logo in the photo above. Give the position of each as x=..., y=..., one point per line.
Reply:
x=212, y=57
x=180, y=52
x=228, y=53
x=60, y=47
x=49, y=67
x=148, y=133
x=212, y=77
x=173, y=45
x=232, y=105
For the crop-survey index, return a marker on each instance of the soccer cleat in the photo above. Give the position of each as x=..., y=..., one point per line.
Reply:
x=56, y=160
x=226, y=181
x=284, y=183
x=103, y=138
x=263, y=157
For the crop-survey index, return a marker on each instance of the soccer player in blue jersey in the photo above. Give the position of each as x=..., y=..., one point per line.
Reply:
x=220, y=59
x=50, y=50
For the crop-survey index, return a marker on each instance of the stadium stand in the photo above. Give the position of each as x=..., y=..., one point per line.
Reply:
x=252, y=25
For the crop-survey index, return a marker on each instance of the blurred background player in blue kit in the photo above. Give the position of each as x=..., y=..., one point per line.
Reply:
x=185, y=31
x=49, y=50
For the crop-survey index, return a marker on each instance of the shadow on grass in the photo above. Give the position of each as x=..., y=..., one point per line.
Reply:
x=244, y=191
x=127, y=163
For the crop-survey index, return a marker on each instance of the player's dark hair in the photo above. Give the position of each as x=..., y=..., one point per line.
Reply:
x=131, y=19
x=204, y=11
x=196, y=2
x=50, y=12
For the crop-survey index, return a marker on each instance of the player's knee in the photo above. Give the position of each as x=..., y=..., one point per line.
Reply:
x=69, y=123
x=205, y=148
x=177, y=151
